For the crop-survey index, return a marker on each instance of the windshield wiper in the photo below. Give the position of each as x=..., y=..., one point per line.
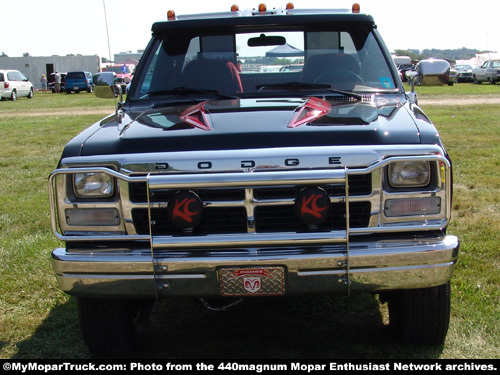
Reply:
x=190, y=90
x=307, y=86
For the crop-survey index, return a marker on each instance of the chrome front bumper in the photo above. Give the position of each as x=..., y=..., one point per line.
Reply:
x=366, y=267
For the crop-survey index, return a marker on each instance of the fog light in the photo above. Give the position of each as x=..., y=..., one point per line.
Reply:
x=313, y=206
x=412, y=207
x=185, y=209
x=92, y=217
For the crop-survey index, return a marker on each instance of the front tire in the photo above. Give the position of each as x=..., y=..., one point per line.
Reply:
x=420, y=316
x=113, y=327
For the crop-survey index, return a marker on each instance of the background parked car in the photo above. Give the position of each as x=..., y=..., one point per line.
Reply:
x=403, y=68
x=488, y=72
x=123, y=71
x=51, y=84
x=13, y=84
x=119, y=81
x=453, y=76
x=464, y=73
x=79, y=81
x=292, y=68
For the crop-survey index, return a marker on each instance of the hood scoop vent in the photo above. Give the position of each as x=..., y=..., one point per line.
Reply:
x=197, y=117
x=311, y=110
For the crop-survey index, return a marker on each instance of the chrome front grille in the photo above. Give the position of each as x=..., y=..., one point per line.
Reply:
x=358, y=185
x=259, y=210
x=216, y=220
x=138, y=193
x=254, y=208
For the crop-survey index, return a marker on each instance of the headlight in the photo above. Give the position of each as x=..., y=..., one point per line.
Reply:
x=409, y=174
x=93, y=185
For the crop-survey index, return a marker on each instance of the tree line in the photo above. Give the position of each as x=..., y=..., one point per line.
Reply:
x=447, y=54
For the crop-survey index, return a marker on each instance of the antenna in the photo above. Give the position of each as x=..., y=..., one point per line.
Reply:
x=107, y=32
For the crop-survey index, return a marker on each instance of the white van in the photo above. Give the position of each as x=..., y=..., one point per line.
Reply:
x=13, y=84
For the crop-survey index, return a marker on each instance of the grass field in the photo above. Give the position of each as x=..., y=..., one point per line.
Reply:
x=37, y=320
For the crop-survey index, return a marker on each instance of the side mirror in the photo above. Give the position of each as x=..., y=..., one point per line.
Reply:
x=410, y=75
x=430, y=73
x=105, y=86
x=434, y=72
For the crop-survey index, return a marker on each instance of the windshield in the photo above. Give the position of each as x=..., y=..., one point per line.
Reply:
x=255, y=64
x=76, y=75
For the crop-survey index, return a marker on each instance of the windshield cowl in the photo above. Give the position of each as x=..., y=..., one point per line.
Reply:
x=249, y=114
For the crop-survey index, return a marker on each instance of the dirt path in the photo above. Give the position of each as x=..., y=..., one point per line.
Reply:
x=473, y=100
x=459, y=101
x=62, y=112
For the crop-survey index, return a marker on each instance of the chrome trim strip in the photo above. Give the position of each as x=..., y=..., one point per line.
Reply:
x=258, y=179
x=347, y=218
x=250, y=239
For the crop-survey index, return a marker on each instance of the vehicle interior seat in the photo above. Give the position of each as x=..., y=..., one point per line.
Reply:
x=330, y=67
x=212, y=74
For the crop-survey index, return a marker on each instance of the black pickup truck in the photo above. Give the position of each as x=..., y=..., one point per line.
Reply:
x=223, y=176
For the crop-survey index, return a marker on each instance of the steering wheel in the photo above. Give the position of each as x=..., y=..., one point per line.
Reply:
x=340, y=76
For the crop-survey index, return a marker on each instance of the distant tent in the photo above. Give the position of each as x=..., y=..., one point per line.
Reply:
x=482, y=57
x=284, y=50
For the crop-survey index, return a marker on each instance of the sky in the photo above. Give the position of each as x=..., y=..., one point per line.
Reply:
x=61, y=27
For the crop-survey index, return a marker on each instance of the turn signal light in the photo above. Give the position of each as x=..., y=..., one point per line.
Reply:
x=356, y=8
x=92, y=217
x=412, y=207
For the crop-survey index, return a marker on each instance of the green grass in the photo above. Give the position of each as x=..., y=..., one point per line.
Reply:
x=459, y=90
x=37, y=320
x=55, y=102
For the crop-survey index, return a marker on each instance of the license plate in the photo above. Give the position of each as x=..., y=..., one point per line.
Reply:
x=76, y=88
x=261, y=281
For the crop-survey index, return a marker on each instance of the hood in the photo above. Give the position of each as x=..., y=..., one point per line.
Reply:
x=248, y=124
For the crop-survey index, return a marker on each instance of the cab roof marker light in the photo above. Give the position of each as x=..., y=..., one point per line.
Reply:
x=262, y=8
x=171, y=15
x=356, y=8
x=311, y=110
x=235, y=8
x=289, y=6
